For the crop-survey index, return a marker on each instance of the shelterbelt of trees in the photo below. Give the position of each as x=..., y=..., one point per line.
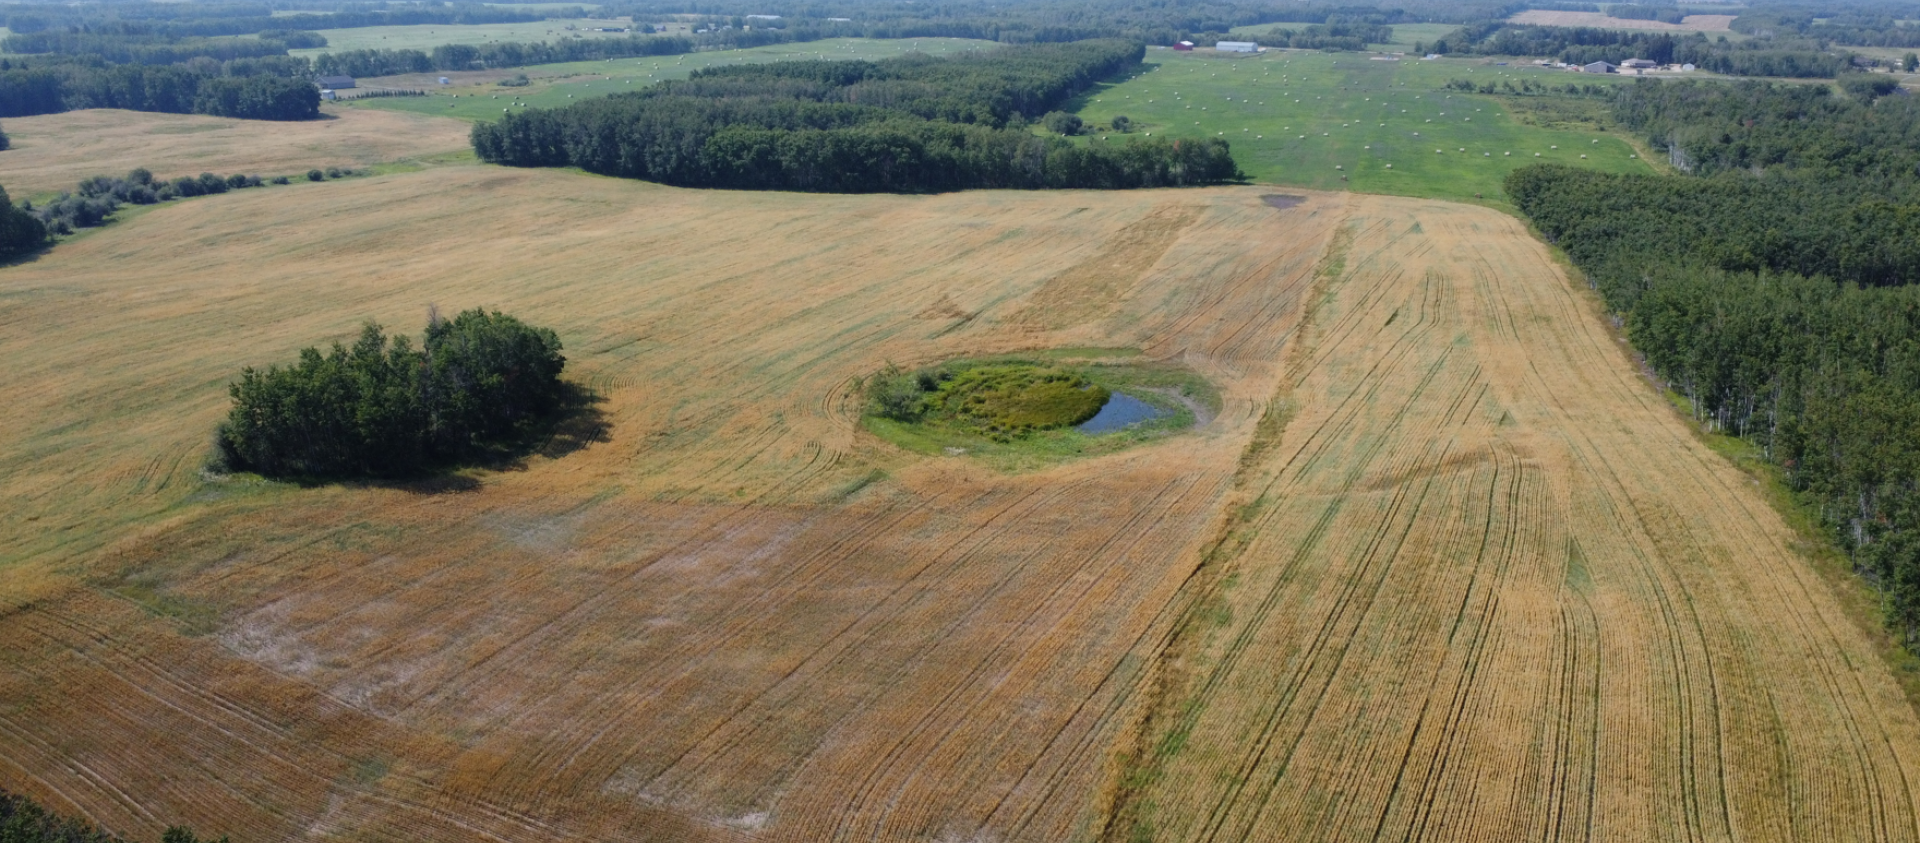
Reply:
x=271, y=88
x=1784, y=57
x=1776, y=286
x=936, y=124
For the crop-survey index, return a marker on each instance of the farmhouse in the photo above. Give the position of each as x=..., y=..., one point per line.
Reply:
x=335, y=82
x=1599, y=67
x=1184, y=46
x=1236, y=46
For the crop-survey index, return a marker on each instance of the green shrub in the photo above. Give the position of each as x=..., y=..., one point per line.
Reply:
x=316, y=175
x=896, y=394
x=1062, y=123
x=20, y=232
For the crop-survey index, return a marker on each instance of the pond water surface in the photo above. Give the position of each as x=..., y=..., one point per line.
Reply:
x=1120, y=411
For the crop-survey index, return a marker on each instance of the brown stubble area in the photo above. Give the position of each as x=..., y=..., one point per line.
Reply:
x=690, y=627
x=1443, y=567
x=54, y=152
x=1482, y=596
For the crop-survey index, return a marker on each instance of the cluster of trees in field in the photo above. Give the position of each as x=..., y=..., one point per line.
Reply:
x=255, y=89
x=23, y=820
x=1585, y=45
x=1777, y=287
x=906, y=124
x=478, y=384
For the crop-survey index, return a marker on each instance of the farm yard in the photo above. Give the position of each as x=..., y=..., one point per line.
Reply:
x=1444, y=565
x=1335, y=121
x=54, y=151
x=477, y=95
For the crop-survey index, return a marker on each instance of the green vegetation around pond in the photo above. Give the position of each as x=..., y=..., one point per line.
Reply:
x=1028, y=411
x=1335, y=121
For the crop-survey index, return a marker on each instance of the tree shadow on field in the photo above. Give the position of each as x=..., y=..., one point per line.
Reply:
x=28, y=256
x=574, y=426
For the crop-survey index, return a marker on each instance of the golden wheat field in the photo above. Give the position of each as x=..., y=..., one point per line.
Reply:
x=1444, y=567
x=55, y=151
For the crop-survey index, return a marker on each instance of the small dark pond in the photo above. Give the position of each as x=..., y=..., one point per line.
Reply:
x=1120, y=411
x=1283, y=201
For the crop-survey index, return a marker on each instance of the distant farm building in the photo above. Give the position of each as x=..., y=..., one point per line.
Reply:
x=1640, y=64
x=1184, y=46
x=445, y=81
x=1236, y=46
x=335, y=82
x=1599, y=67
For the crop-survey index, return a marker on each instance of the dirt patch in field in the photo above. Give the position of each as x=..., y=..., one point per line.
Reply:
x=1283, y=201
x=1691, y=23
x=55, y=151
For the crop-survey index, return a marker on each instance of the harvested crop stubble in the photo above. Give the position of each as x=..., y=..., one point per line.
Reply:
x=1492, y=590
x=54, y=151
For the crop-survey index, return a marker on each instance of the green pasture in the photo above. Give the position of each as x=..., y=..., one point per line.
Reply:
x=1406, y=35
x=1334, y=121
x=425, y=37
x=551, y=85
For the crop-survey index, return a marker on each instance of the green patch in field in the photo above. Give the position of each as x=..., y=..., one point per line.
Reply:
x=1575, y=114
x=1033, y=410
x=1355, y=121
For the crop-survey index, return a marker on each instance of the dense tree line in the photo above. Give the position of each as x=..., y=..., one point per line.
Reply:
x=907, y=124
x=520, y=54
x=247, y=88
x=1777, y=287
x=150, y=49
x=1850, y=28
x=1585, y=45
x=1053, y=21
x=202, y=20
x=383, y=408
